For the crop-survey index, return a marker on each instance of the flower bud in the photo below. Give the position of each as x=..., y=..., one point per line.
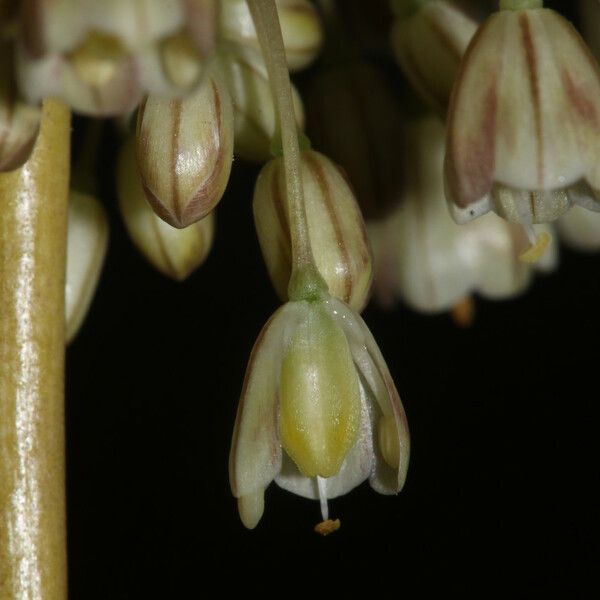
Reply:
x=579, y=229
x=185, y=150
x=429, y=43
x=356, y=120
x=19, y=122
x=524, y=117
x=336, y=228
x=320, y=396
x=300, y=27
x=174, y=252
x=254, y=114
x=86, y=247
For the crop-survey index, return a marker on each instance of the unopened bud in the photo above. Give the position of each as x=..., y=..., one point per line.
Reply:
x=184, y=152
x=86, y=247
x=300, y=27
x=174, y=252
x=320, y=396
x=19, y=122
x=429, y=43
x=254, y=114
x=336, y=228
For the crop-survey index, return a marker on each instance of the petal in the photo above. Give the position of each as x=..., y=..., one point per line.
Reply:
x=525, y=111
x=255, y=456
x=379, y=385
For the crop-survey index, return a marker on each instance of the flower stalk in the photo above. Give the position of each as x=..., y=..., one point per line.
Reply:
x=305, y=280
x=33, y=223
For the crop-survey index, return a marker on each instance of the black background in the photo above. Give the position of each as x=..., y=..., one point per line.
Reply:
x=503, y=421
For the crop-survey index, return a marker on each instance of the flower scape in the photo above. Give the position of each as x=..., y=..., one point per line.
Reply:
x=458, y=181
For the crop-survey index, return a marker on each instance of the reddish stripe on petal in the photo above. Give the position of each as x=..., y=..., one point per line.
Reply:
x=469, y=165
x=584, y=106
x=532, y=67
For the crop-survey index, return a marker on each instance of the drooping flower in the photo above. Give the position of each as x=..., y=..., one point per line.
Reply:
x=319, y=412
x=430, y=262
x=524, y=120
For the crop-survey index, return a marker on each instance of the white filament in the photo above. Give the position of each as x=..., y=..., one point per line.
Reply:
x=322, y=485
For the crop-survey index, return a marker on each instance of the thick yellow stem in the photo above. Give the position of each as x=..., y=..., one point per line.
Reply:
x=33, y=218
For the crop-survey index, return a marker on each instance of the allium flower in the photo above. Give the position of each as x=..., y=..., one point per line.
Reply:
x=319, y=412
x=524, y=120
x=432, y=263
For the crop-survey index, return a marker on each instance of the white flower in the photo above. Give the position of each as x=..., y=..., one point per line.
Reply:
x=319, y=412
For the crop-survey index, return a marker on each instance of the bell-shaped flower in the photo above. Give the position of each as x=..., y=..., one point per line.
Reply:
x=185, y=150
x=429, y=40
x=432, y=263
x=319, y=412
x=524, y=120
x=300, y=28
x=87, y=241
x=335, y=226
x=174, y=252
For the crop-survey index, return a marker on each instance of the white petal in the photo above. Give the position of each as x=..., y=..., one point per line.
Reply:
x=380, y=387
x=255, y=456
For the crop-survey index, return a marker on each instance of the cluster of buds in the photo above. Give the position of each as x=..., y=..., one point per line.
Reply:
x=520, y=95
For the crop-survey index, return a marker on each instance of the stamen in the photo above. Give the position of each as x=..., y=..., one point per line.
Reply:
x=463, y=312
x=322, y=485
x=538, y=246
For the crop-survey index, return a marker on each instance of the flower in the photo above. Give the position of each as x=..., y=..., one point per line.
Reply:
x=524, y=121
x=429, y=261
x=319, y=412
